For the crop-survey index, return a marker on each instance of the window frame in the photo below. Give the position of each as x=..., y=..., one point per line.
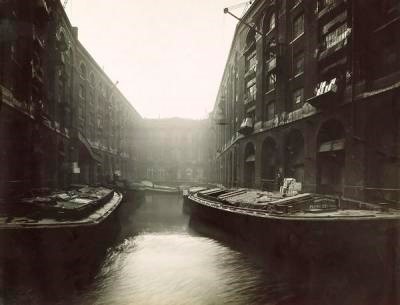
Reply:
x=296, y=56
x=272, y=22
x=82, y=92
x=295, y=33
x=337, y=35
x=251, y=94
x=297, y=104
x=267, y=113
x=82, y=70
x=251, y=61
x=92, y=79
x=271, y=86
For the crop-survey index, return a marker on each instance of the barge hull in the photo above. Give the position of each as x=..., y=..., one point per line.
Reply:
x=371, y=243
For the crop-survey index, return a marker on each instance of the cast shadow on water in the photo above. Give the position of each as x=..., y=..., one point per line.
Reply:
x=278, y=280
x=32, y=273
x=33, y=278
x=162, y=256
x=330, y=282
x=34, y=269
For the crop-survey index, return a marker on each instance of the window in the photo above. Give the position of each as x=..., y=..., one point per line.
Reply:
x=83, y=70
x=91, y=100
x=298, y=26
x=252, y=115
x=102, y=89
x=298, y=97
x=82, y=94
x=252, y=62
x=324, y=3
x=92, y=130
x=80, y=112
x=150, y=173
x=336, y=36
x=91, y=77
x=271, y=50
x=272, y=22
x=298, y=63
x=271, y=81
x=269, y=111
x=389, y=6
x=251, y=58
x=294, y=3
x=251, y=90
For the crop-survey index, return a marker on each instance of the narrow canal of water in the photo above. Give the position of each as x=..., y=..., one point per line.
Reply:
x=162, y=257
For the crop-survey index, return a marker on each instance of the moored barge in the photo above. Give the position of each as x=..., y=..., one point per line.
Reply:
x=306, y=228
x=60, y=227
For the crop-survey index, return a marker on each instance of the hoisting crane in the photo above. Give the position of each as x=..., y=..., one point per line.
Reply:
x=235, y=6
x=247, y=3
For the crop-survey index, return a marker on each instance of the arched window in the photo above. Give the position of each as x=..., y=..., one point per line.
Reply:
x=270, y=52
x=82, y=93
x=268, y=22
x=91, y=78
x=251, y=66
x=83, y=70
x=272, y=21
x=251, y=40
x=62, y=43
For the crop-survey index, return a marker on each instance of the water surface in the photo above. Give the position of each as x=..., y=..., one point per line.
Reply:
x=162, y=257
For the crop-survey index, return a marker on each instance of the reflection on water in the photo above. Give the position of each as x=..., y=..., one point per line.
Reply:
x=162, y=259
x=171, y=269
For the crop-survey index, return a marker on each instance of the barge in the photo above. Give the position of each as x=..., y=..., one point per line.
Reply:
x=62, y=227
x=159, y=189
x=150, y=188
x=305, y=228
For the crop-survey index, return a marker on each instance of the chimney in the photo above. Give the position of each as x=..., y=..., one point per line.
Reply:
x=75, y=32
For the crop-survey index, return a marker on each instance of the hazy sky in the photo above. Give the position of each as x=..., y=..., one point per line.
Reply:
x=168, y=55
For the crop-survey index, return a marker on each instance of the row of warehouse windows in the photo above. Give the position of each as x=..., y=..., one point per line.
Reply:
x=92, y=81
x=331, y=38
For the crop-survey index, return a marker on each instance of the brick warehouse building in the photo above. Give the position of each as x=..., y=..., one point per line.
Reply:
x=175, y=151
x=311, y=89
x=62, y=120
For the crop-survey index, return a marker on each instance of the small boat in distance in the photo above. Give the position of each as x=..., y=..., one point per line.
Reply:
x=150, y=188
x=163, y=189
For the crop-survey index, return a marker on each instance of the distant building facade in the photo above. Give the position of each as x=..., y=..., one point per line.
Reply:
x=312, y=92
x=174, y=151
x=62, y=120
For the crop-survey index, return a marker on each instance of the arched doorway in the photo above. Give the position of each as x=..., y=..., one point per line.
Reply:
x=269, y=164
x=382, y=171
x=294, y=155
x=331, y=158
x=249, y=165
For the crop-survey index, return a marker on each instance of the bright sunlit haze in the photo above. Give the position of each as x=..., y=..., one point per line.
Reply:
x=167, y=55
